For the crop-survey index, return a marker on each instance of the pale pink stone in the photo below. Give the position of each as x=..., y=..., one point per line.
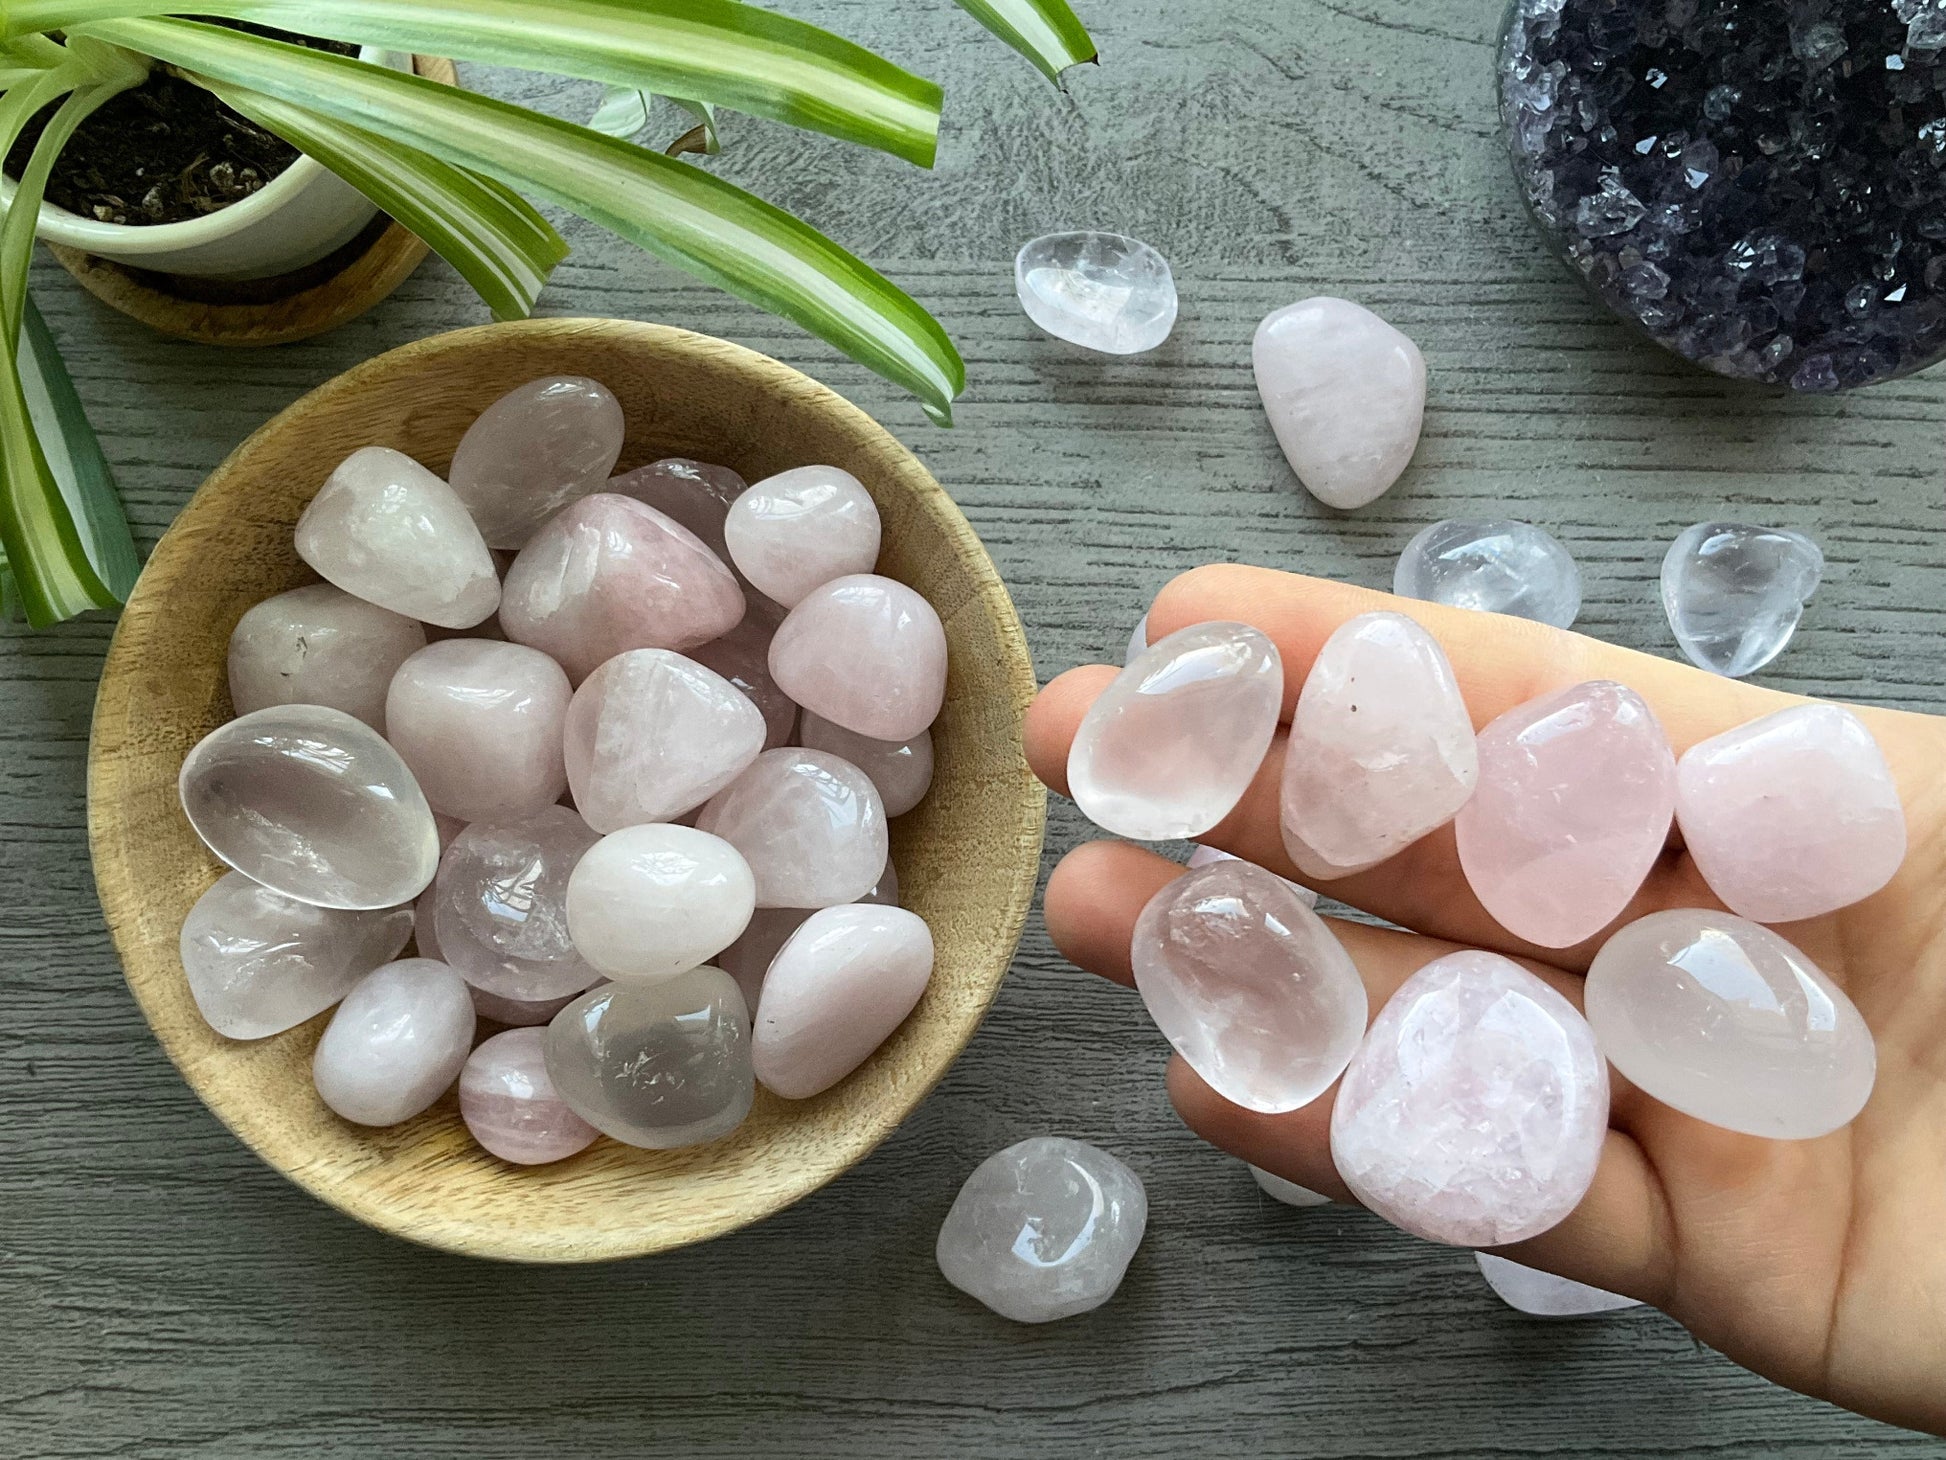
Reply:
x=396, y=1043
x=448, y=827
x=886, y=892
x=1169, y=748
x=511, y=1106
x=319, y=646
x=810, y=825
x=533, y=451
x=789, y=533
x=1287, y=1192
x=866, y=653
x=749, y=958
x=480, y=724
x=1542, y=1294
x=742, y=656
x=385, y=529
x=518, y=1013
x=425, y=934
x=846, y=979
x=1381, y=748
x=902, y=770
x=650, y=902
x=1573, y=806
x=651, y=735
x=1206, y=856
x=500, y=913
x=1249, y=986
x=1474, y=1112
x=609, y=574
x=1792, y=816
x=696, y=493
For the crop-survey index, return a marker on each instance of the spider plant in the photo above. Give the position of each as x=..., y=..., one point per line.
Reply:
x=463, y=171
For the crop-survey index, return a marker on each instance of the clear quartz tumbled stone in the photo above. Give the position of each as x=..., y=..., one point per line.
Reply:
x=500, y=906
x=318, y=645
x=1103, y=291
x=1492, y=567
x=1734, y=594
x=533, y=451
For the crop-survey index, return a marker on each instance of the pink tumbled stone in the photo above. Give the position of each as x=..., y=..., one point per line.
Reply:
x=1792, y=816
x=396, y=1043
x=902, y=770
x=1542, y=1294
x=511, y=1106
x=533, y=451
x=500, y=913
x=810, y=825
x=1205, y=856
x=696, y=494
x=479, y=722
x=1474, y=1112
x=1381, y=748
x=608, y=575
x=1287, y=1192
x=749, y=958
x=866, y=653
x=742, y=656
x=789, y=533
x=1574, y=801
x=318, y=645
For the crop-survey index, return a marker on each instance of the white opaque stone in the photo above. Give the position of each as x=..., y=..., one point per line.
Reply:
x=696, y=494
x=902, y=770
x=866, y=653
x=500, y=906
x=1288, y=1192
x=810, y=825
x=1103, y=291
x=791, y=532
x=479, y=722
x=1543, y=1295
x=259, y=963
x=511, y=1106
x=313, y=804
x=742, y=656
x=1734, y=593
x=1204, y=856
x=396, y=1044
x=1492, y=567
x=318, y=645
x=533, y=451
x=650, y=902
x=385, y=529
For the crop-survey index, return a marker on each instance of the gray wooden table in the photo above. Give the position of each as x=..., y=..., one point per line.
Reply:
x=163, y=1294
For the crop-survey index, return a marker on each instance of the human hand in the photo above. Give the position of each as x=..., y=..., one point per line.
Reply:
x=1818, y=1263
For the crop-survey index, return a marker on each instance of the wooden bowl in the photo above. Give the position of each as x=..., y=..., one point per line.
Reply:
x=967, y=857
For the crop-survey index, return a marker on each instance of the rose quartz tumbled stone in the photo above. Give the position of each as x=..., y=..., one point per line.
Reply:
x=609, y=574
x=518, y=1013
x=696, y=494
x=1542, y=1294
x=533, y=451
x=511, y=1106
x=385, y=529
x=749, y=958
x=742, y=656
x=866, y=653
x=1381, y=748
x=500, y=906
x=789, y=533
x=902, y=770
x=1792, y=816
x=1170, y=747
x=318, y=645
x=1574, y=801
x=810, y=825
x=396, y=1043
x=480, y=724
x=650, y=902
x=1475, y=1110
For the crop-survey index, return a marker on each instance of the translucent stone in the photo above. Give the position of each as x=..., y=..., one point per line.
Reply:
x=1138, y=640
x=396, y=1044
x=1288, y=1192
x=259, y=963
x=1381, y=748
x=1542, y=1294
x=810, y=825
x=662, y=1064
x=1734, y=593
x=511, y=1106
x=1170, y=747
x=1792, y=816
x=1346, y=395
x=1475, y=1110
x=1575, y=797
x=609, y=574
x=533, y=451
x=749, y=958
x=742, y=656
x=1204, y=856
x=1102, y=291
x=479, y=722
x=385, y=529
x=650, y=902
x=1492, y=567
x=695, y=493
x=866, y=653
x=1249, y=986
x=1722, y=1019
x=1044, y=1229
x=803, y=527
x=517, y=1013
x=319, y=646
x=501, y=914
x=902, y=770
x=313, y=804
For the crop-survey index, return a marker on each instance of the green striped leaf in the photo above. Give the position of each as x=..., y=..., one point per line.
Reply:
x=1046, y=32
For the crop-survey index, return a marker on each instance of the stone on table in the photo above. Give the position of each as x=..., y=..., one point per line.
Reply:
x=901, y=769
x=1734, y=593
x=259, y=963
x=810, y=825
x=396, y=1044
x=313, y=804
x=1106, y=292
x=742, y=656
x=650, y=902
x=1498, y=566
x=1044, y=1229
x=511, y=1106
x=1204, y=856
x=1474, y=1112
x=1288, y=1192
x=866, y=653
x=1346, y=395
x=1169, y=748
x=318, y=645
x=479, y=722
x=696, y=494
x=386, y=530
x=533, y=451
x=500, y=906
x=518, y=1013
x=1722, y=1019
x=1542, y=1294
x=791, y=532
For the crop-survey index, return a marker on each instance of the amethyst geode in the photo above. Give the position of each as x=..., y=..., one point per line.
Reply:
x=1759, y=184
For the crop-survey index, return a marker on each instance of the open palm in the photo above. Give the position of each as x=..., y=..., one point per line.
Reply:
x=1818, y=1263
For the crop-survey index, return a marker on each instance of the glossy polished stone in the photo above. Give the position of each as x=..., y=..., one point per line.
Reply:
x=1170, y=747
x=902, y=770
x=1044, y=1229
x=1724, y=1020
x=313, y=804
x=650, y=902
x=533, y=451
x=511, y=1106
x=1346, y=395
x=385, y=529
x=1474, y=1113
x=742, y=656
x=259, y=963
x=1249, y=986
x=1103, y=291
x=1542, y=1294
x=696, y=494
x=318, y=645
x=500, y=906
x=517, y=1013
x=748, y=959
x=1492, y=567
x=479, y=722
x=1793, y=815
x=866, y=653
x=1287, y=1192
x=1573, y=806
x=1734, y=594
x=810, y=825
x=1138, y=640
x=396, y=1044
x=803, y=527
x=1204, y=856
x=1381, y=748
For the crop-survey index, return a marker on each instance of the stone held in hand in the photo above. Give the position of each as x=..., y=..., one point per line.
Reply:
x=396, y=1044
x=1543, y=1295
x=1346, y=395
x=1138, y=641
x=1287, y=1192
x=791, y=532
x=511, y=1106
x=259, y=963
x=1170, y=747
x=1492, y=567
x=866, y=653
x=902, y=770
x=533, y=451
x=1106, y=292
x=313, y=804
x=742, y=656
x=386, y=530
x=1205, y=856
x=1044, y=1229
x=1381, y=748
x=479, y=722
x=1734, y=593
x=650, y=902
x=318, y=645
x=810, y=825
x=697, y=494
x=1722, y=1019
x=1249, y=986
x=1474, y=1113
x=500, y=906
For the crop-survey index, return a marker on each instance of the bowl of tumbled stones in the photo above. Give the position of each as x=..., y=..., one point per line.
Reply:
x=556, y=790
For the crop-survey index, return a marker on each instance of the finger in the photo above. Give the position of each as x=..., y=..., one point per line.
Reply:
x=1054, y=717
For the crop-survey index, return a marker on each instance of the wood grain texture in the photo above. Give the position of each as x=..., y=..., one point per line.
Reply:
x=168, y=1296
